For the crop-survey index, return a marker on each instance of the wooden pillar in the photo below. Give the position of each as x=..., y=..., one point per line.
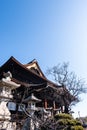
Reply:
x=54, y=105
x=45, y=103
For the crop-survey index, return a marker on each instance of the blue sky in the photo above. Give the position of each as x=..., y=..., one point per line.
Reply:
x=52, y=31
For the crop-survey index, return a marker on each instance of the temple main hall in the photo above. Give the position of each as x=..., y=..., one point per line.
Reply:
x=22, y=84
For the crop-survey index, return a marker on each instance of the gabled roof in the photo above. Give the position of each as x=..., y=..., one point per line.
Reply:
x=24, y=75
x=14, y=65
x=25, y=71
x=34, y=66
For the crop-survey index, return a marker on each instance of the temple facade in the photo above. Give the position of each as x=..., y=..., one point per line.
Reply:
x=24, y=90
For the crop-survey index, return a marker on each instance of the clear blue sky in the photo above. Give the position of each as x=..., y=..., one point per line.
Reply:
x=52, y=31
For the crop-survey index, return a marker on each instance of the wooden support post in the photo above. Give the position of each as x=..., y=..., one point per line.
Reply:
x=45, y=103
x=54, y=105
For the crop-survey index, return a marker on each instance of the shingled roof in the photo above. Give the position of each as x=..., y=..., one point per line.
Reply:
x=31, y=77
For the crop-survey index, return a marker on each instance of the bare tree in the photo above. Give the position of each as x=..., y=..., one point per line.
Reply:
x=61, y=75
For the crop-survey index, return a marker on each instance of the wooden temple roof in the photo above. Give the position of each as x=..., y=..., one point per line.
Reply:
x=31, y=78
x=25, y=73
x=34, y=66
x=20, y=72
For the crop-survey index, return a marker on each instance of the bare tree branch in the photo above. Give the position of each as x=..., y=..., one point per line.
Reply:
x=61, y=75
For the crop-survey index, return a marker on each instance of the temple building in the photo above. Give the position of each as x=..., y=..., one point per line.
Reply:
x=19, y=83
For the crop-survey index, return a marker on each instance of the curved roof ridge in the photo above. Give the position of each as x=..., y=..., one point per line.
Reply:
x=35, y=61
x=23, y=66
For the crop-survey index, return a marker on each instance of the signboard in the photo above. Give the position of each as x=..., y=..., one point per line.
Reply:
x=12, y=106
